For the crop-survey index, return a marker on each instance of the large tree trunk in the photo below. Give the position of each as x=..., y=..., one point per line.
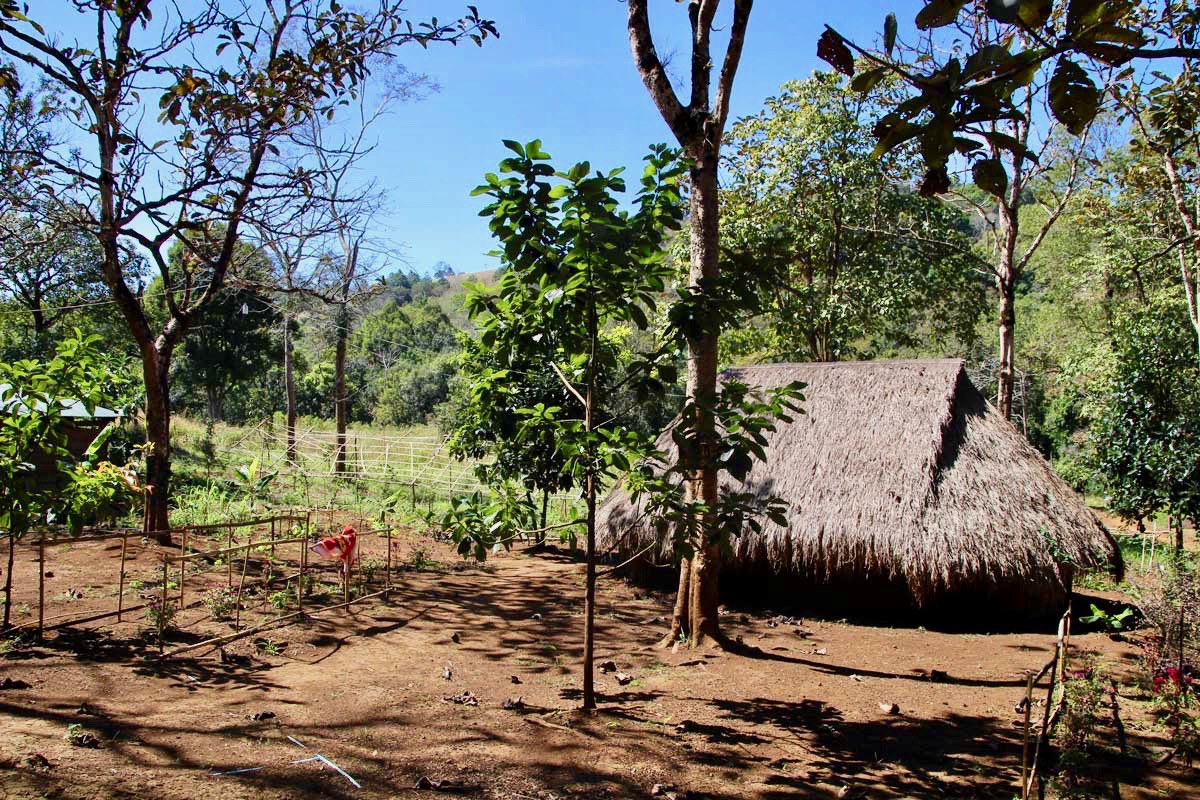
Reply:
x=289, y=385
x=702, y=625
x=216, y=403
x=156, y=364
x=698, y=127
x=1007, y=322
x=1006, y=286
x=340, y=404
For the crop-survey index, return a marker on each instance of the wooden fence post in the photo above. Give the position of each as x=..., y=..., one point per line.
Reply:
x=41, y=584
x=183, y=565
x=300, y=577
x=388, y=574
x=237, y=620
x=1025, y=744
x=162, y=609
x=121, y=579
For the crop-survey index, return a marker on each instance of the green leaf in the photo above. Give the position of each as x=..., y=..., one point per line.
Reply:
x=990, y=176
x=889, y=34
x=1035, y=13
x=866, y=81
x=1074, y=98
x=1006, y=11
x=938, y=13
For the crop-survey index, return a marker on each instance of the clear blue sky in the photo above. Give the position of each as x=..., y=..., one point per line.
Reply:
x=562, y=72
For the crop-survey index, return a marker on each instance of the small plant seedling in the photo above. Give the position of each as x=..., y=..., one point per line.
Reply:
x=279, y=600
x=267, y=646
x=221, y=602
x=1112, y=622
x=78, y=737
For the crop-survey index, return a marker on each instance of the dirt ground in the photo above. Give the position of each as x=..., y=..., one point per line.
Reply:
x=796, y=713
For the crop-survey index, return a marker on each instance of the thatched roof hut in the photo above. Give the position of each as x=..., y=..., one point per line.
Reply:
x=907, y=489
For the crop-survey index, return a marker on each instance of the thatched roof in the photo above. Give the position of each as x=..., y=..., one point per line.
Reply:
x=901, y=471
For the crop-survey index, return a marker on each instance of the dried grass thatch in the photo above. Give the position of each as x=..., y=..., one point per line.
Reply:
x=900, y=476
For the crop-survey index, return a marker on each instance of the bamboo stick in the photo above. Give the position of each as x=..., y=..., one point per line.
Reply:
x=121, y=579
x=236, y=548
x=162, y=609
x=388, y=573
x=183, y=566
x=1025, y=743
x=300, y=578
x=41, y=588
x=237, y=621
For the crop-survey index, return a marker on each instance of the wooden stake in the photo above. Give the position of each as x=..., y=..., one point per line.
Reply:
x=121, y=579
x=300, y=577
x=237, y=620
x=41, y=587
x=229, y=562
x=388, y=574
x=162, y=609
x=183, y=566
x=1025, y=745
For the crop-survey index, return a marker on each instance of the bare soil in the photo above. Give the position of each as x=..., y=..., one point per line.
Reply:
x=799, y=710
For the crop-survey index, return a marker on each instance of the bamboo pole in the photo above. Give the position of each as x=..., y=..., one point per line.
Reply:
x=300, y=578
x=183, y=566
x=229, y=561
x=235, y=549
x=388, y=573
x=1025, y=744
x=121, y=579
x=41, y=588
x=162, y=609
x=229, y=637
x=237, y=621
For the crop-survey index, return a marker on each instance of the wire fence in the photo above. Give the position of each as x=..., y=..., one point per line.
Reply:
x=422, y=464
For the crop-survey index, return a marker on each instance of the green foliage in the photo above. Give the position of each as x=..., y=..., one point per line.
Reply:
x=575, y=263
x=961, y=98
x=1147, y=438
x=1111, y=622
x=848, y=260
x=412, y=391
x=1084, y=700
x=160, y=615
x=233, y=338
x=221, y=602
x=33, y=429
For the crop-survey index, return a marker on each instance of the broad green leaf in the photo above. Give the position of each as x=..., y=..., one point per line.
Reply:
x=1074, y=98
x=989, y=175
x=938, y=13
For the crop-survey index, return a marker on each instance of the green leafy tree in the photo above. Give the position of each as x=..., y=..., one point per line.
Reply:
x=574, y=262
x=33, y=430
x=849, y=258
x=233, y=83
x=989, y=83
x=698, y=126
x=1163, y=182
x=233, y=338
x=1147, y=438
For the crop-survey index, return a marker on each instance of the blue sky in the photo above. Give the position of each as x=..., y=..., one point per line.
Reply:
x=562, y=72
